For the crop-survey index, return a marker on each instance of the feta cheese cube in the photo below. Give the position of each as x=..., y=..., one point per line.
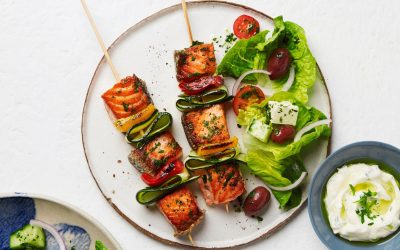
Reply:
x=283, y=112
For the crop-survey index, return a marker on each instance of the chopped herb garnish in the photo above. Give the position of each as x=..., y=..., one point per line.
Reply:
x=126, y=106
x=366, y=202
x=194, y=43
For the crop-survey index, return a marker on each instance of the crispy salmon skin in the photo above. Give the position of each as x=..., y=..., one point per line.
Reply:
x=221, y=184
x=205, y=126
x=127, y=97
x=155, y=154
x=181, y=210
x=194, y=62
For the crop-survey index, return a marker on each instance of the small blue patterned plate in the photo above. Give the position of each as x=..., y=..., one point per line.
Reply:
x=376, y=151
x=78, y=230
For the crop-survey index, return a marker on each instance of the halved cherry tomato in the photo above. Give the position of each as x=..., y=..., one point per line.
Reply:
x=246, y=96
x=201, y=84
x=166, y=172
x=245, y=27
x=283, y=133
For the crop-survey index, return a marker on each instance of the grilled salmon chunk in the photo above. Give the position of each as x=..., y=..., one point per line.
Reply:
x=221, y=184
x=155, y=154
x=194, y=62
x=205, y=126
x=181, y=210
x=127, y=97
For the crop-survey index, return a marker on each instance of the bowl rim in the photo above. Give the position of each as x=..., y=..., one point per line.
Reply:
x=310, y=199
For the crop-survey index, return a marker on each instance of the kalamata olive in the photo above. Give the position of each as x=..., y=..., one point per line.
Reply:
x=278, y=63
x=256, y=201
x=283, y=133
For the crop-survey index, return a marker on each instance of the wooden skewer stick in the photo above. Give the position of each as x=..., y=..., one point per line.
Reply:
x=100, y=40
x=187, y=21
x=227, y=207
x=191, y=239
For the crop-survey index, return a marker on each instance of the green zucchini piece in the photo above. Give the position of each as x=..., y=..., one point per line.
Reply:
x=162, y=122
x=28, y=237
x=140, y=126
x=196, y=162
x=184, y=105
x=207, y=97
x=149, y=195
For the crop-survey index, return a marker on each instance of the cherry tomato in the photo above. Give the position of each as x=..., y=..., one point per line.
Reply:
x=279, y=63
x=256, y=201
x=245, y=27
x=283, y=133
x=166, y=172
x=201, y=84
x=246, y=96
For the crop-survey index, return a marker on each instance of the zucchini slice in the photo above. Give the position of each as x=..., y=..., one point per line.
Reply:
x=161, y=122
x=150, y=195
x=198, y=162
x=186, y=103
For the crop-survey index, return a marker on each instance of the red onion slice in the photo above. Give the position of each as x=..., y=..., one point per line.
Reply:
x=309, y=127
x=240, y=79
x=52, y=230
x=291, y=186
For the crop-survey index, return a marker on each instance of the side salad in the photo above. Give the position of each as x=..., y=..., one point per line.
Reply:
x=33, y=236
x=274, y=72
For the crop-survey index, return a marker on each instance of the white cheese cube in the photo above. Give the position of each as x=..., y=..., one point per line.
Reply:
x=283, y=112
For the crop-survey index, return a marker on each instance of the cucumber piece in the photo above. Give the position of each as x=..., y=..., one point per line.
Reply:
x=259, y=130
x=149, y=195
x=28, y=237
x=159, y=124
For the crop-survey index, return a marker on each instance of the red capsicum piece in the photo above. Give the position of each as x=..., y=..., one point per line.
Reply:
x=166, y=172
x=201, y=84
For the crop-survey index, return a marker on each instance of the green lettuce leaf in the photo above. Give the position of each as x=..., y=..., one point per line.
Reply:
x=100, y=246
x=306, y=115
x=265, y=167
x=243, y=56
x=255, y=111
x=303, y=61
x=277, y=173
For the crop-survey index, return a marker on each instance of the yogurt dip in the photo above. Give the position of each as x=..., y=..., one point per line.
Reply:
x=362, y=202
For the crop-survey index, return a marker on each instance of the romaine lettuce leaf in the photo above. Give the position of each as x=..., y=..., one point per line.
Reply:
x=277, y=173
x=242, y=57
x=303, y=61
x=265, y=167
x=255, y=111
x=306, y=115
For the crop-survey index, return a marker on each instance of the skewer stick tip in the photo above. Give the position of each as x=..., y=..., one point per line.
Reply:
x=191, y=240
x=189, y=29
x=227, y=207
x=100, y=41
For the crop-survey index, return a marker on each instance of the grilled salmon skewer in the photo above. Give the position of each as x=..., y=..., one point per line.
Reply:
x=128, y=102
x=207, y=126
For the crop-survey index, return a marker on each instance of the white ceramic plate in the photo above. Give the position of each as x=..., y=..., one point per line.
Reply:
x=78, y=228
x=146, y=49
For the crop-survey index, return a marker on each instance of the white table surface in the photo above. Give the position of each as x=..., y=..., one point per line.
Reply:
x=48, y=54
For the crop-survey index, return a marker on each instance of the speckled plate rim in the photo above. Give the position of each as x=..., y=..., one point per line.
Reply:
x=325, y=228
x=69, y=206
x=116, y=208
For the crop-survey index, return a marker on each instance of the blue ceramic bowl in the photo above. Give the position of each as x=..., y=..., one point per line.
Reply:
x=376, y=151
